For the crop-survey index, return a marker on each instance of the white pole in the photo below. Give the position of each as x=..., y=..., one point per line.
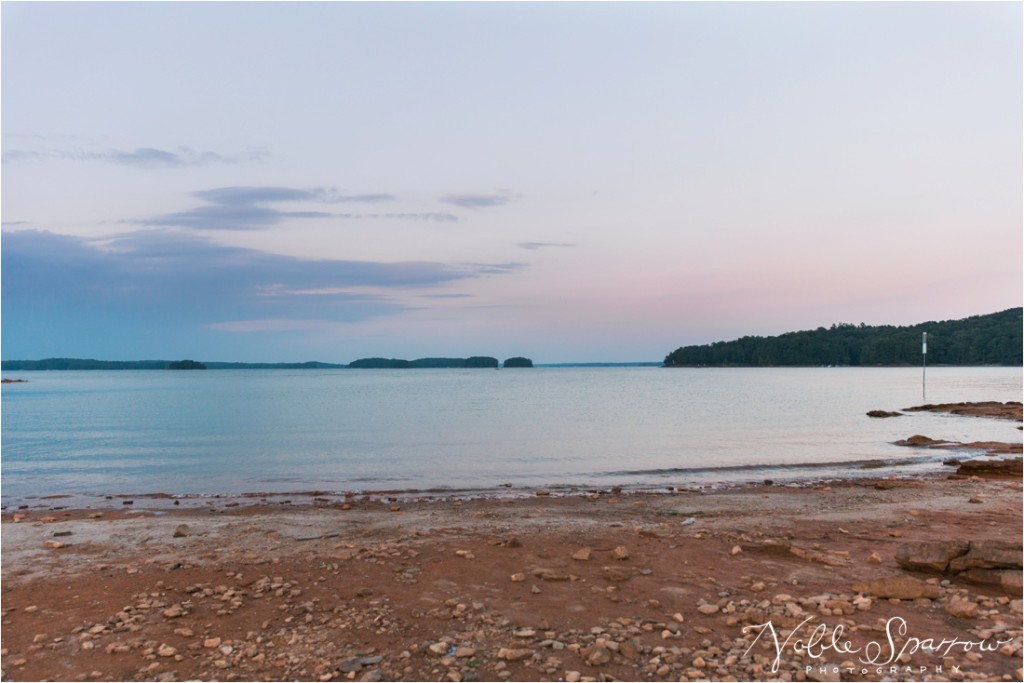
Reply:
x=924, y=361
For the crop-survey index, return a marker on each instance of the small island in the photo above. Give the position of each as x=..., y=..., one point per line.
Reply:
x=401, y=364
x=185, y=365
x=518, y=362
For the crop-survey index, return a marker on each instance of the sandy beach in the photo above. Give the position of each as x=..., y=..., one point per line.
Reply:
x=895, y=579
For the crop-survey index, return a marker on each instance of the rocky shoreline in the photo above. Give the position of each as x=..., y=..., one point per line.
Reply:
x=607, y=586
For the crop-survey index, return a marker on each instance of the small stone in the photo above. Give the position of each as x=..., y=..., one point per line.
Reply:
x=757, y=587
x=172, y=612
x=962, y=608
x=181, y=531
x=975, y=500
x=707, y=608
x=736, y=550
x=517, y=577
x=351, y=665
x=465, y=553
x=211, y=643
x=621, y=553
x=598, y=656
x=874, y=558
x=616, y=573
x=464, y=652
x=53, y=545
x=439, y=649
x=167, y=651
x=583, y=554
x=513, y=654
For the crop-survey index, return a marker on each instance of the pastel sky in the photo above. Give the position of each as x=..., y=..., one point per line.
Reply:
x=564, y=181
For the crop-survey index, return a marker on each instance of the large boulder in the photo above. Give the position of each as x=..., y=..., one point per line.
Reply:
x=989, y=555
x=991, y=466
x=933, y=556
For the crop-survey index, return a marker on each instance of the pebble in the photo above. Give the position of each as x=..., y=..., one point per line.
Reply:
x=621, y=553
x=583, y=554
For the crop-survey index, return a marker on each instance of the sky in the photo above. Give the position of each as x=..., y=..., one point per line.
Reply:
x=562, y=181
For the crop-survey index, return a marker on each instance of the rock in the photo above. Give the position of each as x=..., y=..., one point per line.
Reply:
x=465, y=553
x=211, y=643
x=962, y=608
x=598, y=655
x=900, y=587
x=930, y=555
x=439, y=649
x=992, y=466
x=464, y=652
x=874, y=558
x=707, y=608
x=617, y=573
x=352, y=665
x=583, y=554
x=883, y=413
x=514, y=654
x=989, y=555
x=736, y=550
x=53, y=545
x=1009, y=580
x=517, y=577
x=181, y=531
x=920, y=440
x=173, y=612
x=621, y=553
x=167, y=651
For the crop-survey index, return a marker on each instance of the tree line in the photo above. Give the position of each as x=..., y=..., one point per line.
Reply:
x=993, y=339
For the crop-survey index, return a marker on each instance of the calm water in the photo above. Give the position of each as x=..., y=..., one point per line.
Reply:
x=233, y=431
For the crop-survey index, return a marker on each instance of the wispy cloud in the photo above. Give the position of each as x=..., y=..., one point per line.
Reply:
x=250, y=207
x=470, y=200
x=141, y=157
x=436, y=217
x=533, y=246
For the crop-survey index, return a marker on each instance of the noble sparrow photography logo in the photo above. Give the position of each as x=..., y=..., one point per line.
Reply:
x=890, y=654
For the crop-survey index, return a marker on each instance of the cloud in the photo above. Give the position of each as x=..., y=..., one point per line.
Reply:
x=162, y=278
x=543, y=245
x=478, y=201
x=247, y=195
x=424, y=216
x=248, y=208
x=141, y=157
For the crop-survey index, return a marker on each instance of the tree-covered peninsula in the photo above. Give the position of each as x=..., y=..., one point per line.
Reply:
x=993, y=339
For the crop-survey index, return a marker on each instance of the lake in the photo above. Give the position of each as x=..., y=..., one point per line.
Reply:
x=94, y=433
